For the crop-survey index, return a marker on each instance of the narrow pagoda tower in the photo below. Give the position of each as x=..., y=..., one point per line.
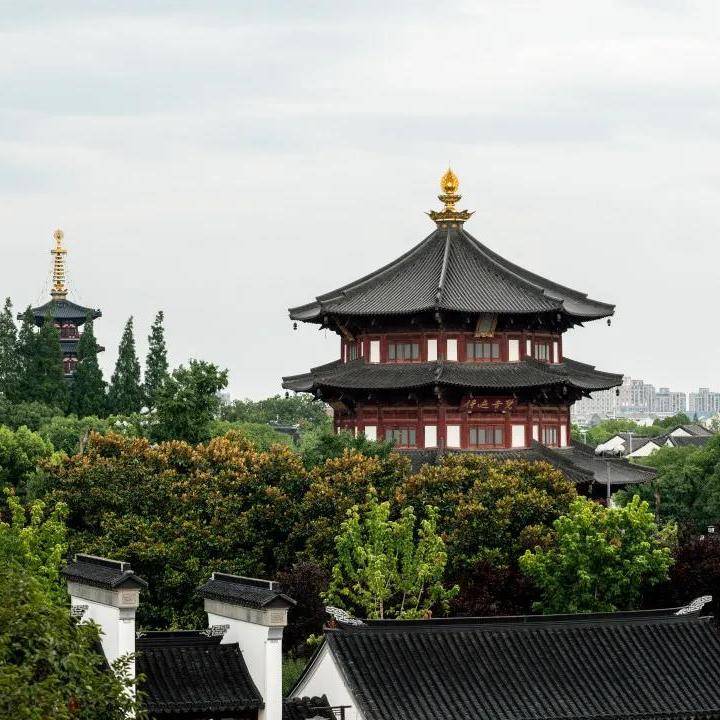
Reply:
x=451, y=347
x=67, y=315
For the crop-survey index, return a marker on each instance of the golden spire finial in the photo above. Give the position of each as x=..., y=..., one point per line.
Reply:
x=449, y=184
x=59, y=290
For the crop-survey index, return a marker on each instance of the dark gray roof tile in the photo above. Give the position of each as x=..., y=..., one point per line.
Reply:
x=250, y=592
x=187, y=673
x=616, y=666
x=359, y=374
x=451, y=270
x=102, y=572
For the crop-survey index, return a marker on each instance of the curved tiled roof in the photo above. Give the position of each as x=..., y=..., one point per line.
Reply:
x=102, y=572
x=361, y=375
x=450, y=270
x=653, y=664
x=65, y=310
x=250, y=592
x=188, y=673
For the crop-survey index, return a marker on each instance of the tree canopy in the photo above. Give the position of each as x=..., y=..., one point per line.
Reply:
x=600, y=559
x=125, y=395
x=383, y=569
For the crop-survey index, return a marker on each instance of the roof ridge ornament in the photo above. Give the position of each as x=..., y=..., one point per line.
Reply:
x=59, y=289
x=449, y=185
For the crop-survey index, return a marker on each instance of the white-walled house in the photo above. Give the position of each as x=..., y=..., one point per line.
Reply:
x=654, y=664
x=230, y=670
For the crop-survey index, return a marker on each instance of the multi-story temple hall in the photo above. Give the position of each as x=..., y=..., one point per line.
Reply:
x=67, y=315
x=451, y=347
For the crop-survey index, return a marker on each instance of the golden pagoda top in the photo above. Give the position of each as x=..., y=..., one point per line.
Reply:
x=59, y=289
x=449, y=185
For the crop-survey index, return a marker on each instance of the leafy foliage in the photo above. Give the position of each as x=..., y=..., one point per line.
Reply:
x=178, y=512
x=603, y=431
x=125, y=395
x=21, y=452
x=489, y=510
x=687, y=487
x=51, y=666
x=87, y=391
x=382, y=569
x=292, y=410
x=187, y=402
x=9, y=371
x=262, y=436
x=32, y=414
x=156, y=363
x=600, y=559
x=321, y=444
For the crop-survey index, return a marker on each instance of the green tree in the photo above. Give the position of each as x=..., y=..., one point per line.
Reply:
x=672, y=421
x=51, y=667
x=156, y=363
x=687, y=487
x=601, y=558
x=70, y=434
x=21, y=452
x=262, y=436
x=26, y=354
x=292, y=410
x=50, y=385
x=178, y=512
x=125, y=395
x=87, y=391
x=187, y=402
x=9, y=361
x=32, y=414
x=383, y=570
x=603, y=431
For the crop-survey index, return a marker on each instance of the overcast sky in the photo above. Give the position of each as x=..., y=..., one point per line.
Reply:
x=226, y=160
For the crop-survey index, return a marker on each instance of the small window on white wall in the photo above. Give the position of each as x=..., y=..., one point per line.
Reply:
x=374, y=351
x=371, y=432
x=513, y=350
x=432, y=349
x=430, y=436
x=453, y=436
x=556, y=352
x=563, y=436
x=452, y=349
x=518, y=436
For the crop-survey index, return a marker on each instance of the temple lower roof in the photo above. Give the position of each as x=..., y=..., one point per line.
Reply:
x=527, y=373
x=451, y=271
x=64, y=310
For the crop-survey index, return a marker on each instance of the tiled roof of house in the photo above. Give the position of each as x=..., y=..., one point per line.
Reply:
x=249, y=592
x=687, y=441
x=451, y=270
x=644, y=665
x=102, y=572
x=188, y=673
x=359, y=374
x=305, y=708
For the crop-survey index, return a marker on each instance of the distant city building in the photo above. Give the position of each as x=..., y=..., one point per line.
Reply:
x=704, y=402
x=638, y=399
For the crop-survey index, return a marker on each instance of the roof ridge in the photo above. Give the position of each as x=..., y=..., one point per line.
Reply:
x=443, y=268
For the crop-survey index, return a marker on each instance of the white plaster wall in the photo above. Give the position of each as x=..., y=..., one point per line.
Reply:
x=536, y=433
x=371, y=432
x=513, y=350
x=324, y=678
x=556, y=352
x=108, y=618
x=563, y=436
x=432, y=349
x=452, y=349
x=679, y=432
x=614, y=443
x=644, y=451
